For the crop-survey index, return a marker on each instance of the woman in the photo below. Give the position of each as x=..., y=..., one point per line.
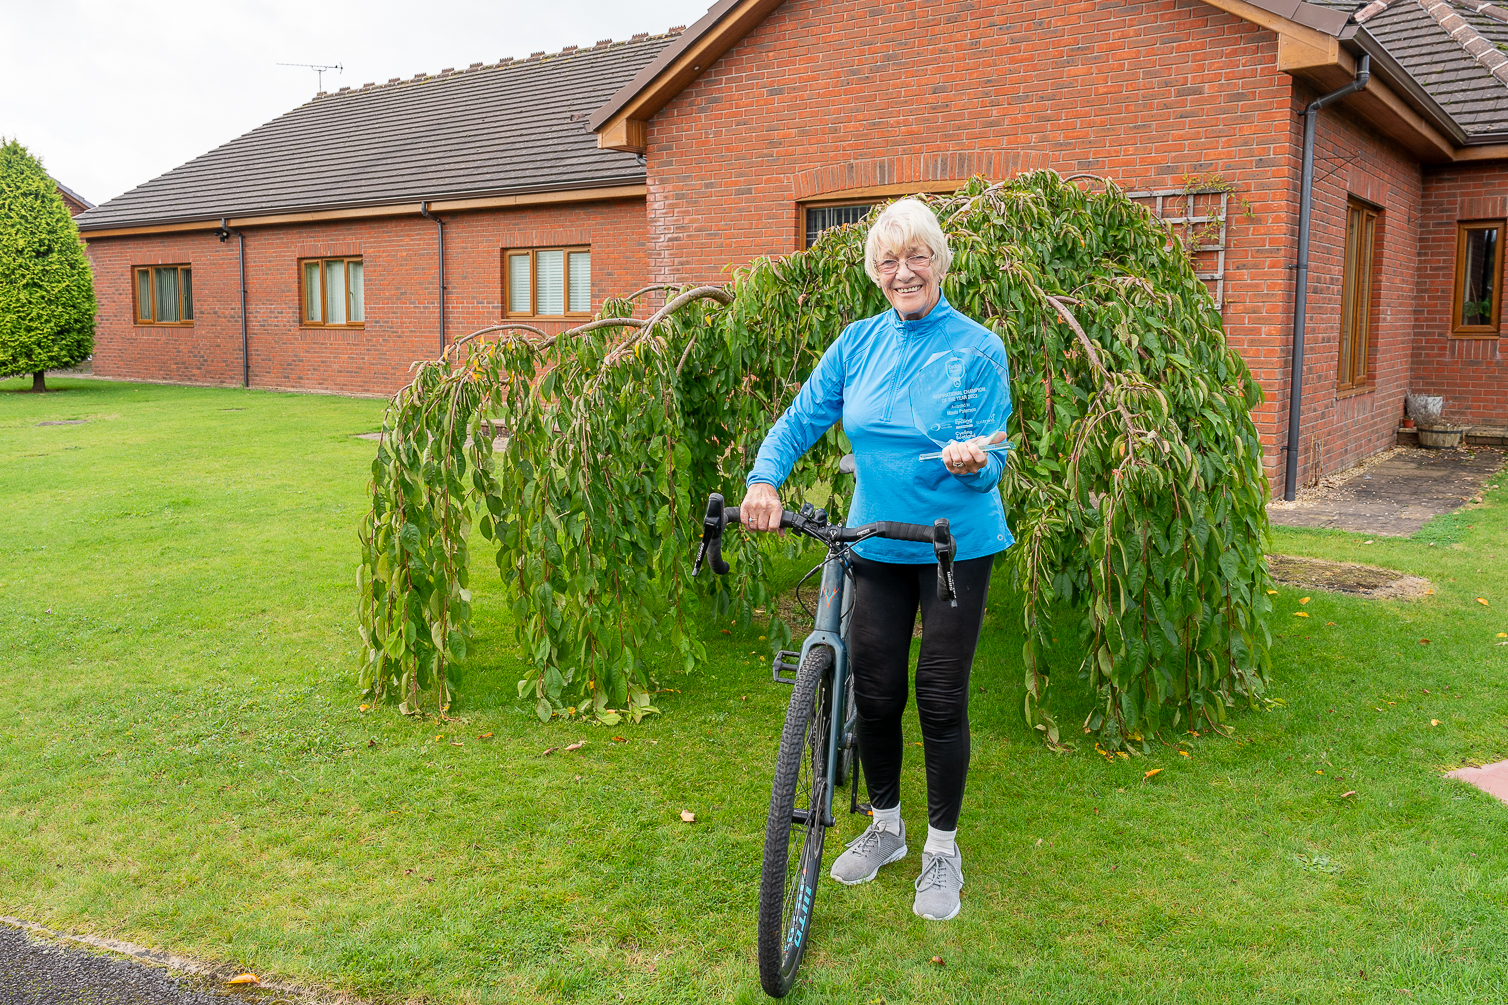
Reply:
x=862, y=378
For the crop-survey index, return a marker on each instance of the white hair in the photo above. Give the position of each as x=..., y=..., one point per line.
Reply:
x=906, y=223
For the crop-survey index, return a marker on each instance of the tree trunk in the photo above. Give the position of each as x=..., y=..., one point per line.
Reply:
x=39, y=382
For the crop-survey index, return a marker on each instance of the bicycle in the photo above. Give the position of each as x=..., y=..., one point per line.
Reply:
x=815, y=760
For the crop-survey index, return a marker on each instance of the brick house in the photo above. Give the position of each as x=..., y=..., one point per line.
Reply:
x=766, y=121
x=76, y=203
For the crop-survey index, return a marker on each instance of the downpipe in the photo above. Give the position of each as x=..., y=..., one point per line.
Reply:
x=440, y=224
x=1301, y=273
x=225, y=232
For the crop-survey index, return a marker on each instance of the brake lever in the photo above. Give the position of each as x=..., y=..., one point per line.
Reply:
x=712, y=537
x=944, y=547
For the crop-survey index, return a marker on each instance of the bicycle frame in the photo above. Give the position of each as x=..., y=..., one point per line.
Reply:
x=831, y=629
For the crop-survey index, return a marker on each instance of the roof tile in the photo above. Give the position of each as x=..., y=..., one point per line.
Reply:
x=513, y=127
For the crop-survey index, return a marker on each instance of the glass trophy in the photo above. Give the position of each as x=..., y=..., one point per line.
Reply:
x=958, y=395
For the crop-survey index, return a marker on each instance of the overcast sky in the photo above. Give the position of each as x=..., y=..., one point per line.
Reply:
x=112, y=93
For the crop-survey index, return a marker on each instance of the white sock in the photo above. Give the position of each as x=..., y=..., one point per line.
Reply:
x=888, y=820
x=941, y=842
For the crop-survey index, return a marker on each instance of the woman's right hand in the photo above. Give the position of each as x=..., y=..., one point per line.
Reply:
x=761, y=508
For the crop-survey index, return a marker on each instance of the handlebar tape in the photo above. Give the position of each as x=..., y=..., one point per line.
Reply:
x=896, y=531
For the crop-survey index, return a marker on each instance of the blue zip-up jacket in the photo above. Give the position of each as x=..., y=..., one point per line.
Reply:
x=863, y=378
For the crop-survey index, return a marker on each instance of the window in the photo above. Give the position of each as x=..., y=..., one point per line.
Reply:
x=1479, y=267
x=332, y=292
x=1356, y=295
x=164, y=295
x=820, y=218
x=547, y=282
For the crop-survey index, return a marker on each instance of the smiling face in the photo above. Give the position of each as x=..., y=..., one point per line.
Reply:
x=912, y=292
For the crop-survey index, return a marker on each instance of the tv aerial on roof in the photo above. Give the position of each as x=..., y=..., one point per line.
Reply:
x=318, y=70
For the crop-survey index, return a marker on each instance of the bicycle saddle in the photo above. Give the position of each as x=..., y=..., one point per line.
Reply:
x=846, y=466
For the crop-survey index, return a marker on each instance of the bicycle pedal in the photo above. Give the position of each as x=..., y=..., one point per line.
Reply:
x=787, y=662
x=863, y=808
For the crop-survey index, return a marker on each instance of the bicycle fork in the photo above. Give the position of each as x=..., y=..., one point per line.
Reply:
x=830, y=630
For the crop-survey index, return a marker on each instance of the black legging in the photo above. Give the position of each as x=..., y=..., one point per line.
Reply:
x=879, y=647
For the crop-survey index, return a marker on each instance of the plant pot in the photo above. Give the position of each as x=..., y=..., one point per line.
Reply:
x=1441, y=437
x=1408, y=423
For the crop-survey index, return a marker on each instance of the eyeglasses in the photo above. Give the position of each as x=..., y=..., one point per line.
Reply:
x=915, y=263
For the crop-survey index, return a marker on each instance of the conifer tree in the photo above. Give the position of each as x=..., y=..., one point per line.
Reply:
x=46, y=287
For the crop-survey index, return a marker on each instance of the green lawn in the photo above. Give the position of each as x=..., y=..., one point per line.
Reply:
x=183, y=764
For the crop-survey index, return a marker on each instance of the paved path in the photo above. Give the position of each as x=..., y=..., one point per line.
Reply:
x=37, y=973
x=1396, y=496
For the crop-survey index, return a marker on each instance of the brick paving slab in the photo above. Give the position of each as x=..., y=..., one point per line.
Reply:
x=1492, y=779
x=1396, y=496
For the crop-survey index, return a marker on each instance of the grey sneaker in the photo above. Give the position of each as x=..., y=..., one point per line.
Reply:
x=866, y=853
x=937, y=887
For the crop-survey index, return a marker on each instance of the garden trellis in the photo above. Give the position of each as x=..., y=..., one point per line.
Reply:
x=1135, y=488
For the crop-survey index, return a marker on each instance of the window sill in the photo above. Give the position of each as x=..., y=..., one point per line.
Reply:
x=1472, y=334
x=333, y=328
x=1351, y=392
x=547, y=317
x=162, y=324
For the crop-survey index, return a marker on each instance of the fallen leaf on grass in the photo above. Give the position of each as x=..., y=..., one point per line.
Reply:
x=687, y=817
x=243, y=979
x=1301, y=614
x=485, y=736
x=1184, y=753
x=1434, y=722
x=1149, y=774
x=1039, y=842
x=576, y=746
x=620, y=739
x=550, y=751
x=1303, y=600
x=1366, y=542
x=1348, y=795
x=1483, y=602
x=1424, y=642
x=363, y=708
x=725, y=631
x=938, y=960
x=1272, y=593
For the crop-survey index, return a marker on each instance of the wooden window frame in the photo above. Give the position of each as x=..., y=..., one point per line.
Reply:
x=1353, y=354
x=1458, y=288
x=304, y=322
x=152, y=278
x=566, y=250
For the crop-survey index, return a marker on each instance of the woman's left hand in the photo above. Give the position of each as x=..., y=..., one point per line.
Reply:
x=966, y=458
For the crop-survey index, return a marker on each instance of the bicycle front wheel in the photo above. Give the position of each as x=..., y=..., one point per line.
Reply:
x=796, y=829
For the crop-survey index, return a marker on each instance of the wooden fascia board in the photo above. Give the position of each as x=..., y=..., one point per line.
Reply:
x=615, y=134
x=1312, y=37
x=1492, y=152
x=397, y=209
x=1318, y=57
x=1382, y=107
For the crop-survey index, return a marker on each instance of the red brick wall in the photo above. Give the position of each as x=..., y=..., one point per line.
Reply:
x=1472, y=373
x=1340, y=428
x=399, y=259
x=829, y=95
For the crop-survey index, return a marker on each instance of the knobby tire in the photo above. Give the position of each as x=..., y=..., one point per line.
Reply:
x=793, y=852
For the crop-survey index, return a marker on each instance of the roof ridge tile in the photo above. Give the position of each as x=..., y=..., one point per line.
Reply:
x=1468, y=38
